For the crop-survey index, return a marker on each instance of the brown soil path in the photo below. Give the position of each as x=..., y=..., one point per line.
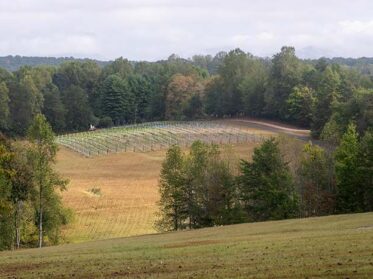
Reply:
x=272, y=127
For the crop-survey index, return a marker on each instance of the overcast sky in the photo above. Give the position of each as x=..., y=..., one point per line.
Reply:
x=152, y=30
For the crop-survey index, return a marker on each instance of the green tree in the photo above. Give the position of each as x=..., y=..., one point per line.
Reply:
x=197, y=192
x=21, y=193
x=194, y=109
x=213, y=98
x=25, y=100
x=78, y=112
x=286, y=73
x=317, y=185
x=86, y=75
x=300, y=106
x=6, y=207
x=47, y=202
x=141, y=90
x=222, y=204
x=120, y=67
x=198, y=189
x=172, y=199
x=358, y=108
x=235, y=68
x=114, y=102
x=350, y=194
x=331, y=132
x=53, y=108
x=366, y=169
x=253, y=87
x=327, y=95
x=267, y=186
x=4, y=106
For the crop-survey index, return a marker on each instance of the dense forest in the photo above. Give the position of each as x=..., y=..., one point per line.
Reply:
x=323, y=95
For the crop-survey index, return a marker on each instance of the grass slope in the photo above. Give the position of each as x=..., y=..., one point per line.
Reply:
x=329, y=247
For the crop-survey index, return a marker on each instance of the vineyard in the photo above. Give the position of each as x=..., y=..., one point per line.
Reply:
x=155, y=136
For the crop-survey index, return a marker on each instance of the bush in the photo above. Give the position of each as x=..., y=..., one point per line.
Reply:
x=105, y=122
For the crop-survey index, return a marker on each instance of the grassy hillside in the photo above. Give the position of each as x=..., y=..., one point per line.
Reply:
x=329, y=247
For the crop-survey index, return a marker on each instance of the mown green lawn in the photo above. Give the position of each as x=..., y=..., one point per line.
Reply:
x=329, y=247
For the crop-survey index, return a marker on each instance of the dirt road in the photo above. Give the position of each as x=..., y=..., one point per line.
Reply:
x=276, y=127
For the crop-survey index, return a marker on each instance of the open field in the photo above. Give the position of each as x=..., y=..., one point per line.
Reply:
x=329, y=247
x=116, y=195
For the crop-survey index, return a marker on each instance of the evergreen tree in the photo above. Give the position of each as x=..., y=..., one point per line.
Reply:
x=116, y=99
x=266, y=183
x=78, y=112
x=141, y=90
x=350, y=194
x=53, y=108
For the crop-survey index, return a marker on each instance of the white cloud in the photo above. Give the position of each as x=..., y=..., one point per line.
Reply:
x=148, y=29
x=265, y=36
x=357, y=26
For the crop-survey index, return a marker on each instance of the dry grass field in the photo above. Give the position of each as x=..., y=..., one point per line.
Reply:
x=339, y=246
x=127, y=199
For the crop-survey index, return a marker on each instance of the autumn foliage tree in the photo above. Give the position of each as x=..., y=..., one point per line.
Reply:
x=183, y=93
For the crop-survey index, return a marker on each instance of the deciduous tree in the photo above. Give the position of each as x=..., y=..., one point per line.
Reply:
x=42, y=154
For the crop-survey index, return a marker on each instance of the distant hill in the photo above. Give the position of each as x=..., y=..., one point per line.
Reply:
x=13, y=63
x=363, y=65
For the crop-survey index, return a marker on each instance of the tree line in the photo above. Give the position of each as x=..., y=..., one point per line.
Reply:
x=31, y=209
x=205, y=187
x=321, y=94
